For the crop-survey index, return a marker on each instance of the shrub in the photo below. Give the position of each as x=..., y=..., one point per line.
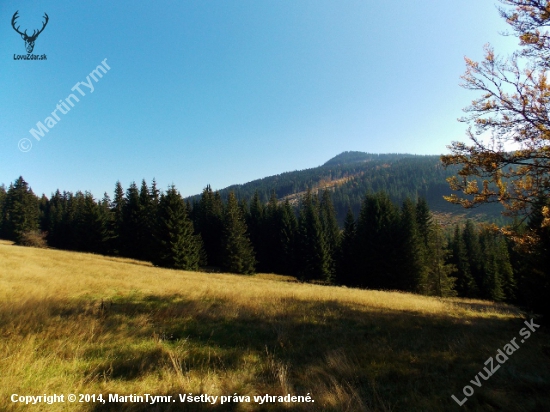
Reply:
x=33, y=238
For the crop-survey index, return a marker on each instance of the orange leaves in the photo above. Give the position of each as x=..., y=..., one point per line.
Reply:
x=513, y=166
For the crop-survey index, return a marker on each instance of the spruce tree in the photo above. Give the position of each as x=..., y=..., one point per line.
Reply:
x=498, y=276
x=287, y=231
x=465, y=284
x=439, y=280
x=347, y=258
x=117, y=208
x=504, y=264
x=209, y=223
x=331, y=231
x=177, y=246
x=424, y=221
x=20, y=213
x=237, y=251
x=534, y=269
x=107, y=217
x=130, y=230
x=473, y=253
x=313, y=259
x=48, y=218
x=257, y=230
x=377, y=228
x=146, y=212
x=271, y=251
x=409, y=247
x=91, y=225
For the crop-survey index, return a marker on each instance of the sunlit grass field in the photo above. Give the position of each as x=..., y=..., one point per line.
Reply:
x=81, y=323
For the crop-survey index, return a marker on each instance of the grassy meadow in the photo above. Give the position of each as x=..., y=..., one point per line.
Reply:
x=81, y=323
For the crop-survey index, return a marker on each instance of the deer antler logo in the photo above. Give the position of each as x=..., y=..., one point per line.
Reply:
x=29, y=40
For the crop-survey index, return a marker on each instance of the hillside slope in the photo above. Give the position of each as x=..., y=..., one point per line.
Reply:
x=81, y=323
x=351, y=175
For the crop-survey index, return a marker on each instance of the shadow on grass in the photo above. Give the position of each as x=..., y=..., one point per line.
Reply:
x=347, y=358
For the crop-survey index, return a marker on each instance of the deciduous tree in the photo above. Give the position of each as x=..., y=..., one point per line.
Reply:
x=508, y=157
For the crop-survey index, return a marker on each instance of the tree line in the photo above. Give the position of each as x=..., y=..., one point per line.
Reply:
x=385, y=246
x=352, y=174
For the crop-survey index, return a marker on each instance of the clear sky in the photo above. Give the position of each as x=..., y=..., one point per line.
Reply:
x=228, y=91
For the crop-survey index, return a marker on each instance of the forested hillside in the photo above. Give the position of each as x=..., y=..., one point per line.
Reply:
x=388, y=239
x=351, y=175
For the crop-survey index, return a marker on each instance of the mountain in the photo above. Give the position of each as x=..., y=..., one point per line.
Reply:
x=351, y=175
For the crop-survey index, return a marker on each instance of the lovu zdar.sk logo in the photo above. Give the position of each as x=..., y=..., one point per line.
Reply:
x=29, y=39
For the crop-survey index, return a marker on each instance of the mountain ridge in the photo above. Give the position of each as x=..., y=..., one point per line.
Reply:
x=350, y=175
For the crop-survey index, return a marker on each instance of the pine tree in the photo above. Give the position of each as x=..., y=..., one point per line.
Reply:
x=145, y=222
x=331, y=231
x=256, y=228
x=504, y=264
x=377, y=229
x=271, y=250
x=439, y=280
x=347, y=258
x=237, y=251
x=209, y=223
x=424, y=220
x=498, y=274
x=177, y=246
x=473, y=253
x=62, y=221
x=20, y=213
x=130, y=233
x=117, y=208
x=107, y=217
x=91, y=225
x=465, y=284
x=287, y=232
x=409, y=247
x=313, y=259
x=534, y=280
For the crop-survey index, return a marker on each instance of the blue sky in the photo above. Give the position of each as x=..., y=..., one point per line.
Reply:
x=223, y=92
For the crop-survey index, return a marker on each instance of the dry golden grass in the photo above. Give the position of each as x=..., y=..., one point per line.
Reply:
x=81, y=323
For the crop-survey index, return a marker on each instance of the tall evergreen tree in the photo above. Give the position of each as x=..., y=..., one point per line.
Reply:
x=331, y=231
x=107, y=217
x=474, y=253
x=269, y=247
x=504, y=264
x=465, y=284
x=377, y=229
x=209, y=223
x=534, y=267
x=145, y=221
x=53, y=219
x=177, y=246
x=91, y=225
x=313, y=259
x=438, y=279
x=287, y=233
x=408, y=247
x=491, y=282
x=130, y=229
x=257, y=230
x=237, y=250
x=424, y=220
x=347, y=258
x=119, y=202
x=20, y=213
